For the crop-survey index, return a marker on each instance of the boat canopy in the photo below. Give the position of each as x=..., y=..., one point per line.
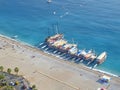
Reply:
x=93, y=56
x=69, y=46
x=73, y=50
x=83, y=52
x=59, y=43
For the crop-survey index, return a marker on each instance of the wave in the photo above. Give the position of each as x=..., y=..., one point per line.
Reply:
x=17, y=40
x=105, y=72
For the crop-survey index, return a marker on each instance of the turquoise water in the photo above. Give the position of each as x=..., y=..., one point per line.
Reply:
x=92, y=23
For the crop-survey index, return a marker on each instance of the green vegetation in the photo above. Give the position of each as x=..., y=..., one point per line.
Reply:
x=1, y=68
x=8, y=88
x=34, y=87
x=2, y=76
x=9, y=70
x=6, y=83
x=16, y=69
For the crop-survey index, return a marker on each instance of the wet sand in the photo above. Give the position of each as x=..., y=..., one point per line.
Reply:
x=48, y=72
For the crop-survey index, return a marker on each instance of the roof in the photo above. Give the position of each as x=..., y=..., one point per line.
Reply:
x=106, y=77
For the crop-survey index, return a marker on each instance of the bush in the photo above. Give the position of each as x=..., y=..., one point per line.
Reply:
x=9, y=70
x=2, y=76
x=8, y=88
x=1, y=68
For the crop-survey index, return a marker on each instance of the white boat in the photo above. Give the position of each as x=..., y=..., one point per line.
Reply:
x=101, y=58
x=49, y=1
x=14, y=37
x=83, y=53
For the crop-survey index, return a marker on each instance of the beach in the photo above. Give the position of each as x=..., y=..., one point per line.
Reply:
x=48, y=72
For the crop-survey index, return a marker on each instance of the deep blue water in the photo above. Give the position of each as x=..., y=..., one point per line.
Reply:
x=92, y=23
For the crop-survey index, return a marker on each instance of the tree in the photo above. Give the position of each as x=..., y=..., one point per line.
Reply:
x=1, y=68
x=9, y=70
x=16, y=70
x=33, y=87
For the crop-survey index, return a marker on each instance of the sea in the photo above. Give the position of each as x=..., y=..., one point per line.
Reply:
x=92, y=24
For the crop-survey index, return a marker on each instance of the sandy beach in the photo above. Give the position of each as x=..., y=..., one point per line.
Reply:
x=48, y=72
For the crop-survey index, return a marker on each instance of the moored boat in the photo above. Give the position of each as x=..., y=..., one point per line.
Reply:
x=56, y=44
x=14, y=37
x=49, y=1
x=67, y=47
x=52, y=39
x=92, y=58
x=101, y=58
x=73, y=50
x=88, y=55
x=59, y=43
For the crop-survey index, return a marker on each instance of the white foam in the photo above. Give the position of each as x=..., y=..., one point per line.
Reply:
x=105, y=72
x=16, y=40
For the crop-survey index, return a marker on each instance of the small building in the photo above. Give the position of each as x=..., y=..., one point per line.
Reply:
x=105, y=78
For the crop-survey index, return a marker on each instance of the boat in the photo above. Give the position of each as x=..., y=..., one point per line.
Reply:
x=73, y=50
x=56, y=44
x=92, y=59
x=88, y=55
x=79, y=52
x=54, y=38
x=14, y=37
x=101, y=58
x=82, y=53
x=59, y=43
x=49, y=1
x=67, y=47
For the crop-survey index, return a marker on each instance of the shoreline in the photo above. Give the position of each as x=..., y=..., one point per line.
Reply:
x=46, y=68
x=54, y=56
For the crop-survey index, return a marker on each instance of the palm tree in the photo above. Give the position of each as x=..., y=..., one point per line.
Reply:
x=16, y=70
x=33, y=87
x=9, y=70
x=1, y=68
